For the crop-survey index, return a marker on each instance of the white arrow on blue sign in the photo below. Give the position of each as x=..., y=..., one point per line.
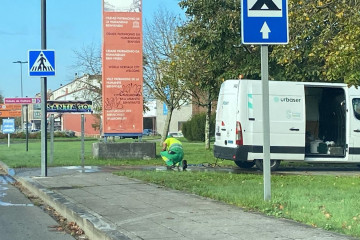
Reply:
x=264, y=22
x=41, y=63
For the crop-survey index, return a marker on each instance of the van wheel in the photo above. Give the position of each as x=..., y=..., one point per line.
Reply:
x=274, y=164
x=245, y=164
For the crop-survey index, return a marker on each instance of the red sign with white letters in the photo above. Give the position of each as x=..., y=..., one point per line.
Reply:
x=122, y=67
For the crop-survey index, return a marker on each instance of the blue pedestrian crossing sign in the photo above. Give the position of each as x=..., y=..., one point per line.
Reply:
x=264, y=22
x=41, y=63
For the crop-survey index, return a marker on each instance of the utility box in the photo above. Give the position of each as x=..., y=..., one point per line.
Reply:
x=137, y=150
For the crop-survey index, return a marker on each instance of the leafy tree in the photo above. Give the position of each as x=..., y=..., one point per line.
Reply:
x=210, y=51
x=161, y=71
x=200, y=83
x=323, y=46
x=323, y=42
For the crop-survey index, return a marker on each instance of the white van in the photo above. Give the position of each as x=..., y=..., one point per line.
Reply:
x=310, y=122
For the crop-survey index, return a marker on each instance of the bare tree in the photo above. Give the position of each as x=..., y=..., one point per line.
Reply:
x=161, y=70
x=88, y=59
x=88, y=64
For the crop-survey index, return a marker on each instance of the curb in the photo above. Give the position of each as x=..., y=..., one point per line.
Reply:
x=9, y=171
x=94, y=225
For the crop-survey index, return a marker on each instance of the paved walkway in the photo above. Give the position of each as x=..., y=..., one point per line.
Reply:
x=112, y=207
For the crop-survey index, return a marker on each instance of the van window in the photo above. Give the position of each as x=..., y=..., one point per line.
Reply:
x=356, y=107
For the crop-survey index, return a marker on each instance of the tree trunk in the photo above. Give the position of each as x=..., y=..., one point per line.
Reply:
x=207, y=124
x=167, y=125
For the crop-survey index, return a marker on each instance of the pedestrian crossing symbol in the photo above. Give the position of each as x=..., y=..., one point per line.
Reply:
x=41, y=63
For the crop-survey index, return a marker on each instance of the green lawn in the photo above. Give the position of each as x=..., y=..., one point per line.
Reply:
x=67, y=152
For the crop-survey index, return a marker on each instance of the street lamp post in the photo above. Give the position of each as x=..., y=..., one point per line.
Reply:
x=21, y=63
x=22, y=116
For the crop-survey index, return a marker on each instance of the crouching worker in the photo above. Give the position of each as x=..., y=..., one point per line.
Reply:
x=172, y=153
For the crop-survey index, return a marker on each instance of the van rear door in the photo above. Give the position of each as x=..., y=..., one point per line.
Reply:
x=226, y=113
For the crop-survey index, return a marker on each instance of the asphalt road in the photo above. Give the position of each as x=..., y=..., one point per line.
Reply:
x=21, y=220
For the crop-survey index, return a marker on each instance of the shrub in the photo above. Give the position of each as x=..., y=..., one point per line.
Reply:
x=18, y=135
x=69, y=133
x=35, y=135
x=194, y=129
x=186, y=130
x=198, y=127
x=59, y=134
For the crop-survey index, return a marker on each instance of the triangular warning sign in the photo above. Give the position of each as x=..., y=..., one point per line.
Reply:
x=42, y=64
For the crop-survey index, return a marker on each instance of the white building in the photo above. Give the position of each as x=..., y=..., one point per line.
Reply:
x=177, y=119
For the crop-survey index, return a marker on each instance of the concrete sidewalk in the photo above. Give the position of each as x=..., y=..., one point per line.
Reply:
x=106, y=206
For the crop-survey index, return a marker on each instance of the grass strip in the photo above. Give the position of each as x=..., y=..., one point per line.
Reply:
x=328, y=202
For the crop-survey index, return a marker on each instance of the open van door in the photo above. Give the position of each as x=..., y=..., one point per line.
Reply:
x=287, y=121
x=287, y=114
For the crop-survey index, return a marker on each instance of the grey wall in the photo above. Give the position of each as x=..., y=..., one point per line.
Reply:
x=137, y=150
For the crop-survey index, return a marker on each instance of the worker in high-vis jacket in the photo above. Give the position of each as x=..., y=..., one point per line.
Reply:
x=172, y=153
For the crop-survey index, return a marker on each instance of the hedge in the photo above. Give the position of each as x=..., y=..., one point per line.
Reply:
x=194, y=129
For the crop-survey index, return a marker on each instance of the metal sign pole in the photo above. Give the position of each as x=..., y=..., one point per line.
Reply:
x=22, y=118
x=27, y=126
x=51, y=138
x=8, y=138
x=82, y=141
x=263, y=23
x=266, y=122
x=22, y=109
x=43, y=96
x=73, y=107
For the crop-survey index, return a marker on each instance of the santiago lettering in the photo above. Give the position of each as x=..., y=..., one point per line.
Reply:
x=69, y=107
